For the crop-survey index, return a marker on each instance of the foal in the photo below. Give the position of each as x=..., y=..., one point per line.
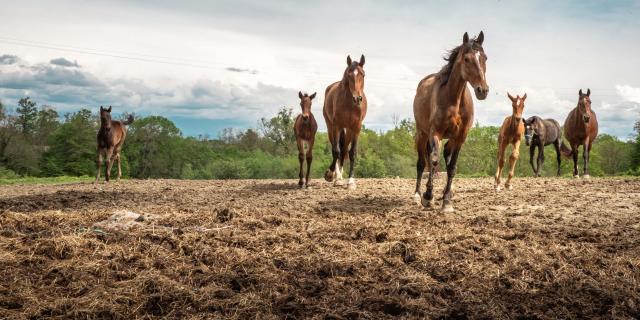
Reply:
x=110, y=139
x=305, y=129
x=538, y=133
x=510, y=134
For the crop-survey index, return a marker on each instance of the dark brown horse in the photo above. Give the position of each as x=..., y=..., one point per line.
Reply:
x=345, y=107
x=580, y=128
x=111, y=136
x=510, y=134
x=443, y=109
x=305, y=129
x=539, y=133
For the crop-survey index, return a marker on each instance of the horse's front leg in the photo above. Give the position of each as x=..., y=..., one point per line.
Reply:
x=574, y=153
x=433, y=153
x=300, y=144
x=498, y=175
x=421, y=146
x=556, y=145
x=515, y=154
x=330, y=174
x=353, y=153
x=540, y=158
x=453, y=150
x=98, y=165
x=309, y=159
x=109, y=159
x=585, y=156
x=532, y=153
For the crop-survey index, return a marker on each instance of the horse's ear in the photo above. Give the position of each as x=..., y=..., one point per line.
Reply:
x=524, y=97
x=510, y=96
x=300, y=94
x=580, y=93
x=109, y=110
x=101, y=108
x=361, y=63
x=349, y=60
x=465, y=38
x=312, y=96
x=480, y=38
x=588, y=92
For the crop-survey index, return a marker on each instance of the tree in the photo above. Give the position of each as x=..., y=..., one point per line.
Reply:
x=72, y=146
x=46, y=124
x=153, y=148
x=27, y=116
x=635, y=157
x=279, y=130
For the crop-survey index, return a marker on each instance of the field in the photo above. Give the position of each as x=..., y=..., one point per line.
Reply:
x=551, y=248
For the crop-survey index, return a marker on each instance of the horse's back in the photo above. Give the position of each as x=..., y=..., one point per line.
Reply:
x=552, y=128
x=329, y=101
x=422, y=101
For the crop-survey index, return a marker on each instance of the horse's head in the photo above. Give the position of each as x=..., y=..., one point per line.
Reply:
x=531, y=128
x=517, y=104
x=355, y=79
x=305, y=103
x=105, y=117
x=584, y=105
x=474, y=64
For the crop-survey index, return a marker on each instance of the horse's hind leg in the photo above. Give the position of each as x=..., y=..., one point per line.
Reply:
x=421, y=146
x=515, y=154
x=540, y=159
x=98, y=165
x=501, y=150
x=532, y=153
x=558, y=155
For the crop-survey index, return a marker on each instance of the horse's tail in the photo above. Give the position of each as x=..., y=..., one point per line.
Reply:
x=128, y=121
x=566, y=152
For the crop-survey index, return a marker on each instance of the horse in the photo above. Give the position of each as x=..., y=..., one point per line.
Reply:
x=510, y=134
x=580, y=128
x=345, y=107
x=305, y=128
x=443, y=109
x=539, y=133
x=110, y=138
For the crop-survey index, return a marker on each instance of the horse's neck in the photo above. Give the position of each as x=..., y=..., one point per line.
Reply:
x=455, y=86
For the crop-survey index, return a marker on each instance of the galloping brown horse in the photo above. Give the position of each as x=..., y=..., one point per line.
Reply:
x=305, y=129
x=345, y=107
x=110, y=139
x=510, y=134
x=443, y=109
x=580, y=128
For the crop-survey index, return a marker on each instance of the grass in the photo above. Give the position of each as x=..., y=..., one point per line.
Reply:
x=44, y=180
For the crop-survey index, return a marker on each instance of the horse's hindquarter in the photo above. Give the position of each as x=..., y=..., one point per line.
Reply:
x=328, y=110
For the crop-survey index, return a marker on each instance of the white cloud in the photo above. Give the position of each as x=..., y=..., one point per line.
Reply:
x=629, y=93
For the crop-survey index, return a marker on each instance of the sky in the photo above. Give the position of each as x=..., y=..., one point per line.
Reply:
x=208, y=65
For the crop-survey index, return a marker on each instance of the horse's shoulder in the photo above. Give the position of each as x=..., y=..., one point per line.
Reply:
x=428, y=80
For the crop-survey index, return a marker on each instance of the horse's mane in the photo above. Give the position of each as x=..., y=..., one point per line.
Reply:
x=445, y=72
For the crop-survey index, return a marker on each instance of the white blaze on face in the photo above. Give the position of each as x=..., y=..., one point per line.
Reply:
x=477, y=55
x=355, y=72
x=517, y=102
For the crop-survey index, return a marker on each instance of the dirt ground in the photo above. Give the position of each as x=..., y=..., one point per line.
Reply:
x=551, y=248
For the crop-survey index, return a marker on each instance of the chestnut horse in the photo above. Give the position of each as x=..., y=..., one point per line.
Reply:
x=345, y=107
x=443, y=109
x=580, y=128
x=510, y=134
x=111, y=136
x=305, y=129
x=539, y=133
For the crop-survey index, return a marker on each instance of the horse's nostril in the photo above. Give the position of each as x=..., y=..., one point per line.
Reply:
x=359, y=98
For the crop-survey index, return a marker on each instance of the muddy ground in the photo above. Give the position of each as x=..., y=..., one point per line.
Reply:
x=551, y=248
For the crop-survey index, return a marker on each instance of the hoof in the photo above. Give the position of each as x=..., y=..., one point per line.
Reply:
x=351, y=186
x=498, y=188
x=308, y=187
x=447, y=208
x=586, y=176
x=328, y=175
x=426, y=203
x=509, y=187
x=338, y=183
x=575, y=176
x=417, y=197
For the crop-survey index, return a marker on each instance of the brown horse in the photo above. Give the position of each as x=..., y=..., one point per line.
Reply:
x=111, y=136
x=510, y=134
x=443, y=109
x=345, y=107
x=305, y=129
x=580, y=128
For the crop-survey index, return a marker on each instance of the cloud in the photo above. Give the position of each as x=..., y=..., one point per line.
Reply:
x=64, y=62
x=242, y=70
x=629, y=93
x=8, y=59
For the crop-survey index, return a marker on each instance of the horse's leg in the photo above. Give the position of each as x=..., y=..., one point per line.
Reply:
x=330, y=175
x=353, y=153
x=421, y=145
x=432, y=153
x=300, y=144
x=119, y=166
x=344, y=141
x=558, y=156
x=515, y=154
x=585, y=155
x=574, y=151
x=532, y=152
x=540, y=158
x=98, y=165
x=501, y=150
x=452, y=149
x=309, y=159
x=109, y=164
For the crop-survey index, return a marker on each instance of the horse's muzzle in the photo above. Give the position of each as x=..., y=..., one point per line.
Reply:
x=586, y=119
x=357, y=99
x=481, y=93
x=305, y=117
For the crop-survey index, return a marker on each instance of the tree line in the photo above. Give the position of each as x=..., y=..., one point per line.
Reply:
x=37, y=141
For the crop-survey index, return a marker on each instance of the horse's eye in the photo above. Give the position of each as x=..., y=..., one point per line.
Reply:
x=466, y=59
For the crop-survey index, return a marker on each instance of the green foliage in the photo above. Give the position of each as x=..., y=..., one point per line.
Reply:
x=27, y=116
x=72, y=146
